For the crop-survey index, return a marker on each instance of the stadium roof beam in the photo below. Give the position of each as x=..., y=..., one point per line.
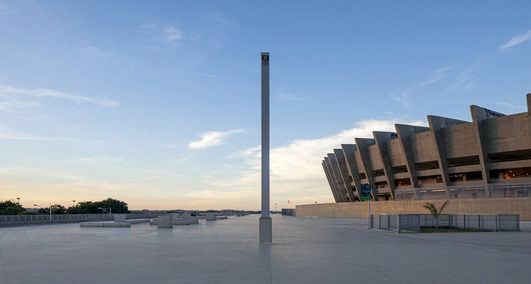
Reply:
x=381, y=138
x=480, y=114
x=404, y=131
x=333, y=180
x=529, y=109
x=343, y=171
x=348, y=151
x=329, y=179
x=337, y=177
x=363, y=149
x=436, y=124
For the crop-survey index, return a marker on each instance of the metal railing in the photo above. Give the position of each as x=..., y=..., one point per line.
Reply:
x=13, y=220
x=414, y=222
x=465, y=191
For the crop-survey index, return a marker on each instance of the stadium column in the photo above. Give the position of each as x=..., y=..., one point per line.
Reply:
x=337, y=177
x=352, y=167
x=436, y=124
x=342, y=166
x=529, y=110
x=330, y=181
x=381, y=139
x=480, y=114
x=403, y=132
x=334, y=179
x=363, y=148
x=266, y=223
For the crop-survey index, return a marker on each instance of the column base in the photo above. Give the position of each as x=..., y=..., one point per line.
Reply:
x=266, y=230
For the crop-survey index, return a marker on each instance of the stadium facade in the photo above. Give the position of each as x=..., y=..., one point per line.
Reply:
x=488, y=157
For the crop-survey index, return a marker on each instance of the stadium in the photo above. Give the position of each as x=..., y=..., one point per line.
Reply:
x=489, y=157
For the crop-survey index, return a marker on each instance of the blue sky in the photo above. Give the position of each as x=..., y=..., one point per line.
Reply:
x=157, y=102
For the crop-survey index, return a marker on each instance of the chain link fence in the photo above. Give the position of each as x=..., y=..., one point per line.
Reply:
x=401, y=223
x=13, y=220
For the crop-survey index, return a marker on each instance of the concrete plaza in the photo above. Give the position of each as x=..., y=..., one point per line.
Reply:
x=305, y=250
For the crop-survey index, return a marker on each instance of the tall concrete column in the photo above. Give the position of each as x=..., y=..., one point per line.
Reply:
x=381, y=138
x=348, y=151
x=343, y=171
x=331, y=170
x=363, y=148
x=528, y=97
x=266, y=224
x=479, y=114
x=342, y=191
x=436, y=124
x=403, y=132
x=330, y=180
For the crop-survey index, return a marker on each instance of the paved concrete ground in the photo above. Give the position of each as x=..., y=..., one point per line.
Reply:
x=306, y=250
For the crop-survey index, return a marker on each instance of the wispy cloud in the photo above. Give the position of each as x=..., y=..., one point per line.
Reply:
x=513, y=107
x=297, y=164
x=94, y=51
x=213, y=138
x=168, y=33
x=436, y=76
x=10, y=92
x=10, y=134
x=517, y=39
x=466, y=79
x=14, y=104
x=172, y=33
x=102, y=159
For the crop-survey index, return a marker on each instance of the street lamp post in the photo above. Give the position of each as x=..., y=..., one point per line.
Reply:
x=266, y=224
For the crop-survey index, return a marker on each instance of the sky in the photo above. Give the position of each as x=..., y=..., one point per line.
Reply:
x=157, y=103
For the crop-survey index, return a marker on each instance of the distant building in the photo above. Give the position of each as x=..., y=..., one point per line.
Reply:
x=288, y=211
x=488, y=157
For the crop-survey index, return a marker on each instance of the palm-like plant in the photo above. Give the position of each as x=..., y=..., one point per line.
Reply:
x=434, y=212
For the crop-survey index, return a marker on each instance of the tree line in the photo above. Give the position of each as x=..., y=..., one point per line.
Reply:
x=108, y=205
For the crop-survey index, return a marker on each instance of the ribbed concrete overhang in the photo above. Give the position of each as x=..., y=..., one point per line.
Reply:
x=348, y=151
x=479, y=115
x=404, y=131
x=363, y=147
x=343, y=171
x=337, y=175
x=330, y=181
x=436, y=124
x=381, y=138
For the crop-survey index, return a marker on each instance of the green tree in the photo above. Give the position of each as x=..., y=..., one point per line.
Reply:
x=434, y=212
x=85, y=207
x=10, y=208
x=116, y=206
x=103, y=206
x=58, y=209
